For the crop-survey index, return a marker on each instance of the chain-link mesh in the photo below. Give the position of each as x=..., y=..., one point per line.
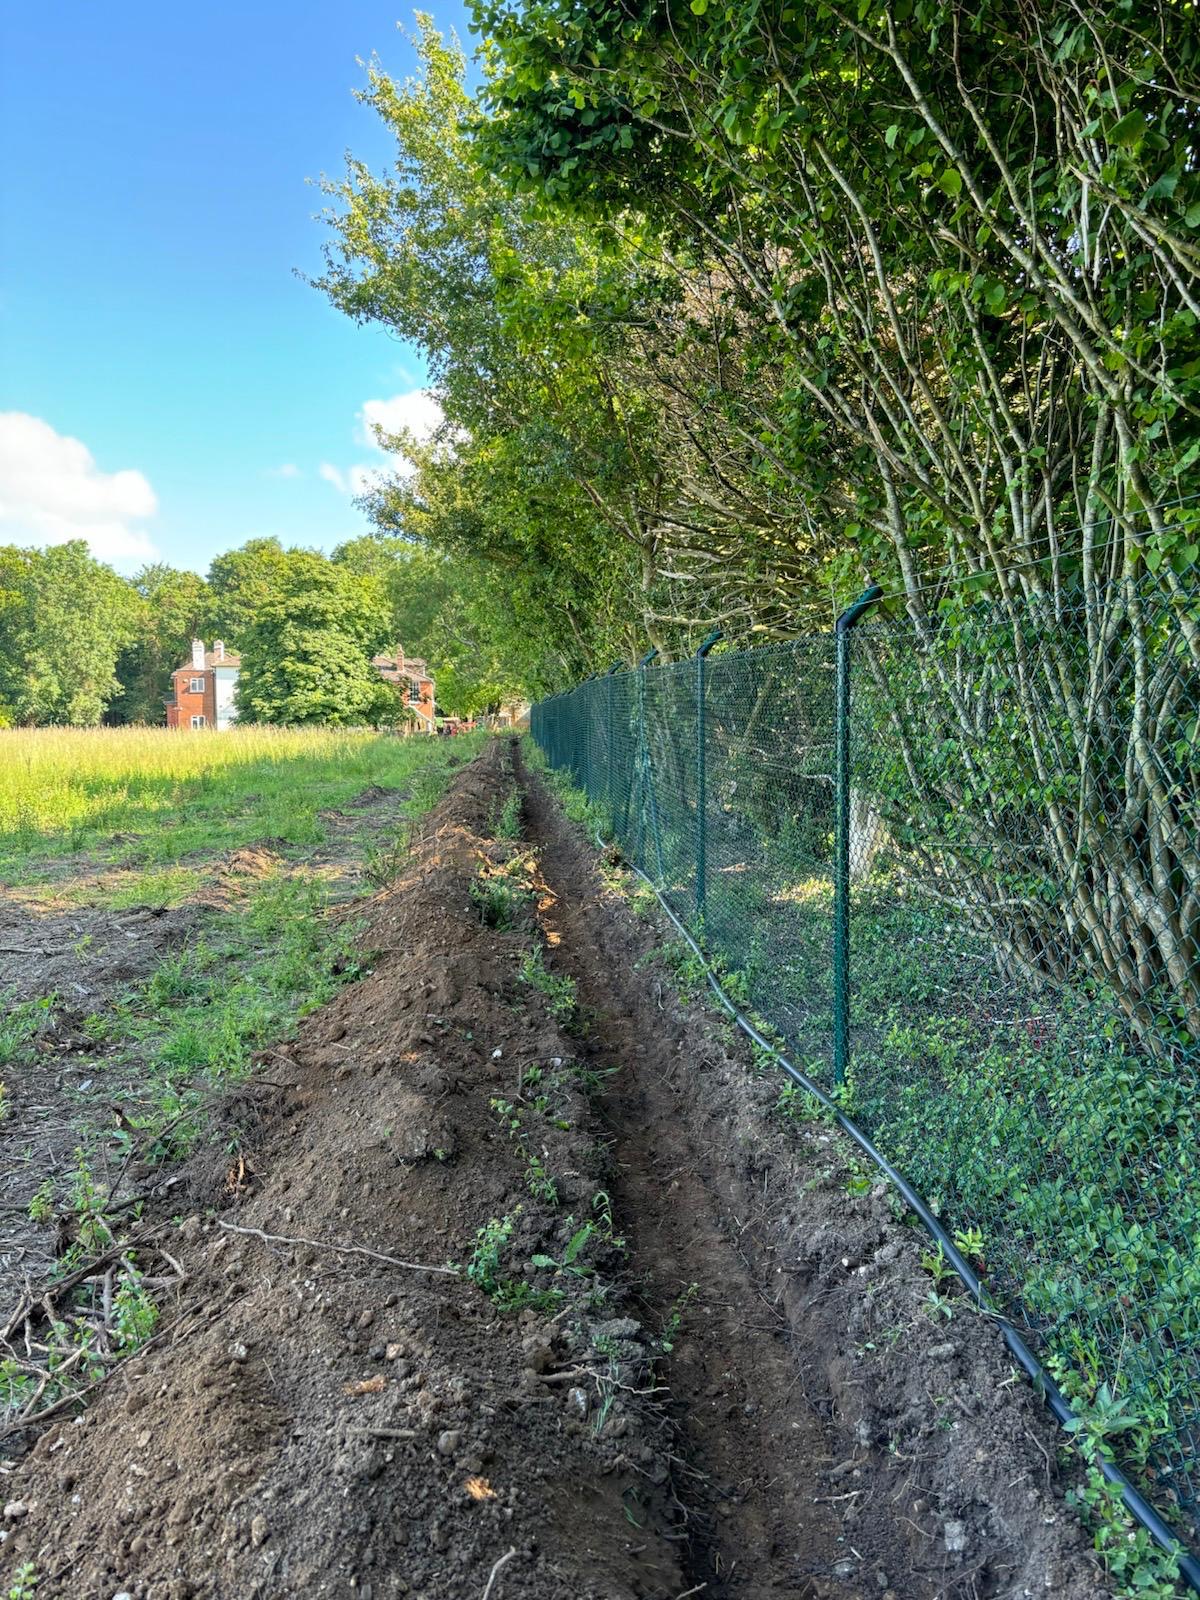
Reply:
x=1020, y=873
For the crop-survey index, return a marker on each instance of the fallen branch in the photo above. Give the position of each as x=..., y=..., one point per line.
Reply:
x=54, y=1290
x=338, y=1249
x=24, y=1421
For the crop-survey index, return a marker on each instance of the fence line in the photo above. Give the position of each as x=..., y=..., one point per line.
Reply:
x=954, y=866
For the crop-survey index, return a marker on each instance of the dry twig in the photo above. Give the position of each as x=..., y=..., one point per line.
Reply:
x=338, y=1249
x=507, y=1556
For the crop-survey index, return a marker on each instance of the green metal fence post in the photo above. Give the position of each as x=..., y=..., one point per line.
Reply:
x=841, y=841
x=701, y=798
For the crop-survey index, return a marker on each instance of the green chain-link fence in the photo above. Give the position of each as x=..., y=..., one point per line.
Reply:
x=954, y=863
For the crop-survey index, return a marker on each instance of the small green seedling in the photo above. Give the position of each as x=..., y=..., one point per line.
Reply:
x=25, y=1582
x=970, y=1242
x=558, y=989
x=935, y=1263
x=570, y=1256
x=669, y=1336
x=41, y=1207
x=509, y=825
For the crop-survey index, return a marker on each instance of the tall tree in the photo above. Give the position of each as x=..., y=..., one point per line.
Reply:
x=970, y=233
x=64, y=619
x=732, y=307
x=242, y=582
x=965, y=240
x=306, y=649
x=546, y=462
x=176, y=608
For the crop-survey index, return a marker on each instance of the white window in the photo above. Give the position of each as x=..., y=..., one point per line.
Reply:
x=199, y=722
x=197, y=686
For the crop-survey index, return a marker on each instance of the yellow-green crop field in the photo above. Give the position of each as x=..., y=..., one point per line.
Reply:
x=150, y=797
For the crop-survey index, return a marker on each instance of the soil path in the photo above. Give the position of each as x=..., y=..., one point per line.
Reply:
x=316, y=1418
x=752, y=1448
x=835, y=1439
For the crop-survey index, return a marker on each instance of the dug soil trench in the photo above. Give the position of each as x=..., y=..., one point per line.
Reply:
x=436, y=1334
x=837, y=1432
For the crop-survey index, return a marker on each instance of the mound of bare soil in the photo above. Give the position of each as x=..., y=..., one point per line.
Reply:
x=681, y=1359
x=322, y=1421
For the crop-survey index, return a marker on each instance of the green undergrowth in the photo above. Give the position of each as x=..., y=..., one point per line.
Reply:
x=503, y=890
x=194, y=1024
x=20, y=1023
x=516, y=1277
x=557, y=989
x=192, y=1027
x=581, y=810
x=539, y=1258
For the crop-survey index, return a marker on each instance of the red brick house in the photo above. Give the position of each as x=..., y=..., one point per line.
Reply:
x=205, y=690
x=411, y=676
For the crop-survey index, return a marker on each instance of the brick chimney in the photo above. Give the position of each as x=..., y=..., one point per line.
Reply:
x=197, y=653
x=219, y=649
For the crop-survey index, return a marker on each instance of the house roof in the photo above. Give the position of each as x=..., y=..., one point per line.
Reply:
x=413, y=666
x=211, y=659
x=389, y=658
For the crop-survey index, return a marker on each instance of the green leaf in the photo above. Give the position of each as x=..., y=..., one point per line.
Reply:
x=891, y=136
x=543, y=1261
x=699, y=7
x=951, y=183
x=1130, y=128
x=1192, y=215
x=578, y=1240
x=1163, y=188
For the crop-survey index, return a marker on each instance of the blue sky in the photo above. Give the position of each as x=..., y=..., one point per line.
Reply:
x=169, y=387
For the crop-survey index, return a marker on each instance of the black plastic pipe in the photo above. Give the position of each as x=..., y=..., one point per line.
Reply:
x=1135, y=1503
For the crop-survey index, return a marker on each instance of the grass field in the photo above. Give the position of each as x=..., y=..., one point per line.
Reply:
x=150, y=797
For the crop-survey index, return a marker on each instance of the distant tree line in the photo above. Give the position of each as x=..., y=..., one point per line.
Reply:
x=81, y=645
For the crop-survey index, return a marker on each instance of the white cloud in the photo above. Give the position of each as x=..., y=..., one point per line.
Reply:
x=51, y=490
x=289, y=469
x=416, y=412
x=358, y=479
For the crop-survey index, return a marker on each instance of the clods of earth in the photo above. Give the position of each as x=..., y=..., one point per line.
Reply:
x=519, y=1287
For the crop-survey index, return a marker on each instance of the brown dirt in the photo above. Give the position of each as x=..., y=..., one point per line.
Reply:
x=316, y=1422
